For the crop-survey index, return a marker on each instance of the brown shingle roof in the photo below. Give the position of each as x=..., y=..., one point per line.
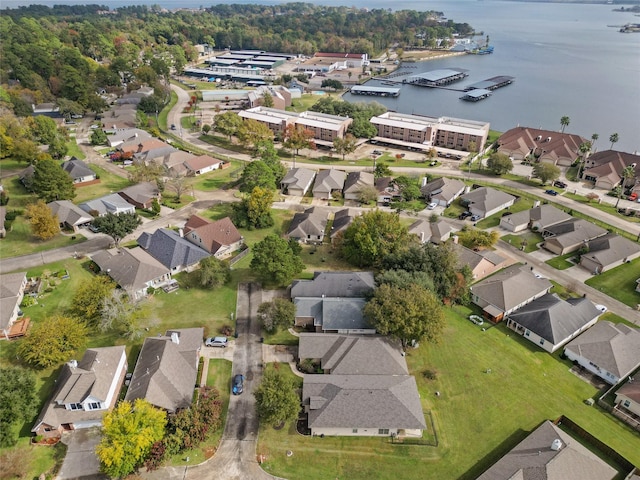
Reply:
x=217, y=234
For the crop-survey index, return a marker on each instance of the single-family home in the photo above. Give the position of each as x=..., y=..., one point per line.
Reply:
x=157, y=153
x=550, y=453
x=12, y=287
x=550, y=322
x=69, y=215
x=508, y=290
x=133, y=269
x=569, y=236
x=327, y=182
x=202, y=164
x=141, y=195
x=174, y=162
x=443, y=191
x=166, y=370
x=341, y=220
x=129, y=135
x=435, y=232
x=172, y=250
x=78, y=171
x=560, y=149
x=112, y=203
x=309, y=226
x=220, y=238
x=355, y=182
x=297, y=181
x=120, y=118
x=607, y=252
x=138, y=146
x=609, y=350
x=628, y=401
x=388, y=190
x=85, y=391
x=134, y=97
x=482, y=263
x=605, y=168
x=485, y=201
x=537, y=219
x=334, y=284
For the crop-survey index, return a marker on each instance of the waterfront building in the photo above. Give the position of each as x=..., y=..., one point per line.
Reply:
x=558, y=148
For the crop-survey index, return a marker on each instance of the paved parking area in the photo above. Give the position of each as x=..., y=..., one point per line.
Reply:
x=81, y=462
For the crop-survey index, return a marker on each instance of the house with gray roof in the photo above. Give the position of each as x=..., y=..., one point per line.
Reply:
x=550, y=322
x=12, y=287
x=78, y=171
x=569, y=236
x=435, y=232
x=69, y=215
x=334, y=284
x=443, y=191
x=172, y=250
x=112, y=203
x=485, y=201
x=85, y=391
x=141, y=195
x=506, y=291
x=309, y=226
x=166, y=370
x=482, y=263
x=609, y=350
x=133, y=269
x=341, y=221
x=549, y=453
x=297, y=181
x=127, y=135
x=327, y=182
x=628, y=401
x=388, y=190
x=355, y=182
x=538, y=218
x=607, y=252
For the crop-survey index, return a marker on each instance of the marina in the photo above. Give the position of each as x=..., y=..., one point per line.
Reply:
x=437, y=78
x=491, y=83
x=476, y=95
x=377, y=91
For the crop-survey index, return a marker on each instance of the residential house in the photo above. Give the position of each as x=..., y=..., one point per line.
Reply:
x=628, y=401
x=173, y=162
x=482, y=263
x=112, y=203
x=560, y=149
x=569, y=236
x=607, y=252
x=202, y=164
x=69, y=215
x=507, y=291
x=12, y=287
x=327, y=182
x=334, y=284
x=141, y=195
x=166, y=370
x=78, y=171
x=172, y=250
x=3, y=217
x=552, y=454
x=609, y=350
x=435, y=232
x=133, y=269
x=309, y=226
x=120, y=118
x=220, y=238
x=134, y=97
x=126, y=136
x=605, y=168
x=341, y=220
x=143, y=145
x=355, y=182
x=160, y=155
x=297, y=181
x=550, y=322
x=537, y=219
x=443, y=191
x=485, y=201
x=85, y=390
x=388, y=190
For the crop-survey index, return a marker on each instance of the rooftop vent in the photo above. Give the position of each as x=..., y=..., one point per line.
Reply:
x=175, y=338
x=539, y=137
x=73, y=364
x=556, y=445
x=548, y=139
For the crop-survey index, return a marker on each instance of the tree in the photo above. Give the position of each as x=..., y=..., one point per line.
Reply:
x=628, y=173
x=98, y=137
x=382, y=170
x=594, y=139
x=584, y=149
x=179, y=183
x=564, y=122
x=408, y=314
x=296, y=138
x=88, y=301
x=613, y=138
x=403, y=279
x=274, y=261
x=257, y=174
x=128, y=432
x=117, y=226
x=227, y=123
x=269, y=155
x=367, y=194
x=372, y=236
x=276, y=399
x=53, y=341
x=546, y=172
x=254, y=211
x=51, y=183
x=253, y=133
x=124, y=316
x=141, y=172
x=267, y=99
x=277, y=313
x=476, y=238
x=499, y=163
x=332, y=83
x=214, y=272
x=25, y=150
x=44, y=224
x=18, y=402
x=346, y=145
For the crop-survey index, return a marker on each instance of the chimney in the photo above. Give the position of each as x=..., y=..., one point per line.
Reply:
x=175, y=338
x=556, y=445
x=140, y=147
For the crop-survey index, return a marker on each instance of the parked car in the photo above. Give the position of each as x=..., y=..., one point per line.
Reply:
x=76, y=115
x=377, y=152
x=602, y=308
x=238, y=384
x=93, y=228
x=551, y=192
x=559, y=184
x=633, y=197
x=173, y=127
x=464, y=215
x=475, y=218
x=216, y=342
x=432, y=205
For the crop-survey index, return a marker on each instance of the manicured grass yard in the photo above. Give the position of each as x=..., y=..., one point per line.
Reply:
x=219, y=178
x=20, y=240
x=109, y=183
x=619, y=282
x=532, y=239
x=494, y=220
x=479, y=416
x=561, y=262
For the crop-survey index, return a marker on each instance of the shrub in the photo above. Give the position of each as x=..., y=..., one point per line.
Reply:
x=430, y=374
x=27, y=301
x=226, y=330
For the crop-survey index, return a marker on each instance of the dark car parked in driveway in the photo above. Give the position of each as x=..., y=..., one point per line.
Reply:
x=559, y=184
x=238, y=384
x=464, y=215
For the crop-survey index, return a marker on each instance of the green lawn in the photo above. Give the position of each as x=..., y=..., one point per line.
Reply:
x=605, y=207
x=478, y=416
x=494, y=220
x=109, y=183
x=532, y=240
x=561, y=262
x=219, y=179
x=280, y=337
x=619, y=283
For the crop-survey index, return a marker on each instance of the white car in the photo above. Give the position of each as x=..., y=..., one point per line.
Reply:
x=432, y=206
x=602, y=308
x=216, y=342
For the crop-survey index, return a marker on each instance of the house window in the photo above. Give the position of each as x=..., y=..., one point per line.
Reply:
x=542, y=341
x=627, y=403
x=355, y=430
x=75, y=406
x=94, y=406
x=383, y=431
x=526, y=333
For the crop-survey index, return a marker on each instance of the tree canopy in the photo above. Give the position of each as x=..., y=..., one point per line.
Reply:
x=257, y=174
x=44, y=224
x=50, y=182
x=254, y=211
x=117, y=226
x=18, y=402
x=499, y=163
x=276, y=399
x=546, y=171
x=227, y=123
x=88, y=300
x=214, y=272
x=274, y=261
x=53, y=341
x=277, y=313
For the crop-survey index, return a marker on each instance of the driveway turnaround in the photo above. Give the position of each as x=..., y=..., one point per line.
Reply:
x=81, y=462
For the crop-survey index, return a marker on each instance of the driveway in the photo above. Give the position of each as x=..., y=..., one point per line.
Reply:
x=81, y=461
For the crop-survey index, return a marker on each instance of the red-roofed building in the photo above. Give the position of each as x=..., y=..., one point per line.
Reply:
x=560, y=149
x=202, y=164
x=220, y=238
x=604, y=168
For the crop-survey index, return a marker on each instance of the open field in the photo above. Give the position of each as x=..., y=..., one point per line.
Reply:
x=619, y=283
x=479, y=416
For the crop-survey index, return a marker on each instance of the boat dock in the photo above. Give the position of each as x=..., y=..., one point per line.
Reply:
x=491, y=83
x=437, y=78
x=476, y=95
x=377, y=91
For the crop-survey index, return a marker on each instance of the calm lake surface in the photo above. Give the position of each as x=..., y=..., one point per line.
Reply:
x=564, y=57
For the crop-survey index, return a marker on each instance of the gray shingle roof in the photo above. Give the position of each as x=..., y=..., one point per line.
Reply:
x=333, y=313
x=611, y=248
x=312, y=221
x=77, y=169
x=130, y=268
x=356, y=180
x=112, y=203
x=555, y=319
x=428, y=231
x=69, y=213
x=533, y=459
x=329, y=180
x=335, y=284
x=486, y=199
x=342, y=219
x=170, y=249
x=141, y=192
x=298, y=178
x=10, y=286
x=574, y=232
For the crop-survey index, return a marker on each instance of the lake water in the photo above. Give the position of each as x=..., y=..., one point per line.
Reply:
x=564, y=57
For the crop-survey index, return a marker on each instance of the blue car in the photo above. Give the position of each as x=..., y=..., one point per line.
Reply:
x=551, y=192
x=238, y=383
